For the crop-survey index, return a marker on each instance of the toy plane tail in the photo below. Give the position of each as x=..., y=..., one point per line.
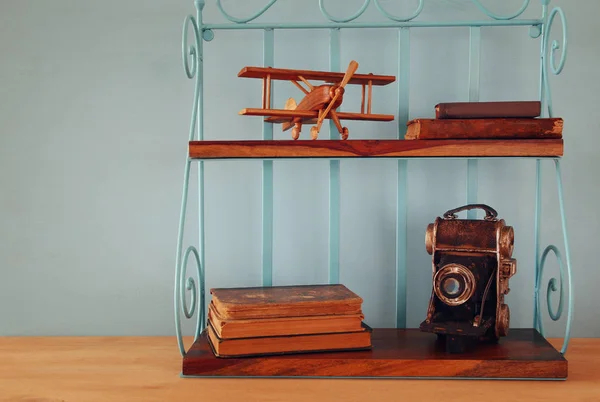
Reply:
x=290, y=104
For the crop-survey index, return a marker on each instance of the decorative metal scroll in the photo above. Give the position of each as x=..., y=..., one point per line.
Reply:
x=244, y=20
x=549, y=54
x=564, y=264
x=191, y=64
x=553, y=285
x=400, y=19
x=191, y=57
x=495, y=16
x=351, y=18
x=364, y=7
x=184, y=283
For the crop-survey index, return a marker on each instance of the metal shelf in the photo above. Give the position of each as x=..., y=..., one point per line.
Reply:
x=189, y=295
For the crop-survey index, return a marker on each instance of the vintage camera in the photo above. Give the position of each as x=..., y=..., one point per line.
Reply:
x=472, y=264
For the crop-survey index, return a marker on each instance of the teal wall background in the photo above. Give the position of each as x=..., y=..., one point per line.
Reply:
x=94, y=115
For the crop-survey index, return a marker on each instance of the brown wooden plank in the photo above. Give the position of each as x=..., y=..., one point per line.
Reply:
x=516, y=128
x=282, y=115
x=326, y=76
x=524, y=353
x=147, y=368
x=375, y=148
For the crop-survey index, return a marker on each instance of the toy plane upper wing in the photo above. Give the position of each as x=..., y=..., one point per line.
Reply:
x=325, y=76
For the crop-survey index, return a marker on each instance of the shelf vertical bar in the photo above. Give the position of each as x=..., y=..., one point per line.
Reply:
x=543, y=27
x=402, y=206
x=537, y=316
x=200, y=137
x=474, y=65
x=537, y=223
x=334, y=173
x=267, y=172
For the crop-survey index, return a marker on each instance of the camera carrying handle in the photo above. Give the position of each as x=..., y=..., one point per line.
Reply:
x=490, y=213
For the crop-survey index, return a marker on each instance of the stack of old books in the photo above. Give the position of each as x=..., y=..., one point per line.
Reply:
x=285, y=319
x=506, y=120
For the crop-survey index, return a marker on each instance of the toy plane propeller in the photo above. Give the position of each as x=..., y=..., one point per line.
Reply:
x=319, y=102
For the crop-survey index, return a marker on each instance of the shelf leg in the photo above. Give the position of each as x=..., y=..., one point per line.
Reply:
x=402, y=202
x=537, y=226
x=474, y=67
x=563, y=220
x=267, y=169
x=334, y=174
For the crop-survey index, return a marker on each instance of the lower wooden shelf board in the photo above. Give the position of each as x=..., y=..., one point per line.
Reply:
x=396, y=353
x=337, y=149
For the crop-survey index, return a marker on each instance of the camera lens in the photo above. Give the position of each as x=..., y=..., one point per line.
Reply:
x=451, y=286
x=454, y=284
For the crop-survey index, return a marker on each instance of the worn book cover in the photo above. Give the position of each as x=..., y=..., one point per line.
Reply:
x=436, y=129
x=285, y=301
x=271, y=345
x=483, y=110
x=255, y=327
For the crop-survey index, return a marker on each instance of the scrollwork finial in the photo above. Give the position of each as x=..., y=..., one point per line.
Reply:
x=199, y=4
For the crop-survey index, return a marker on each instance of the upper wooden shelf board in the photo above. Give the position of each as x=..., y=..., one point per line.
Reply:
x=289, y=74
x=263, y=149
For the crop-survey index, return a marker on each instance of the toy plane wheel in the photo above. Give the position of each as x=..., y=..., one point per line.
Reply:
x=345, y=133
x=295, y=133
x=314, y=132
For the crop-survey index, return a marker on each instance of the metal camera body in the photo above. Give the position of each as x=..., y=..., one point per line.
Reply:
x=472, y=264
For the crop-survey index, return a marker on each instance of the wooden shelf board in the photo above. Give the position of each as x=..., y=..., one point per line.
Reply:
x=523, y=354
x=374, y=148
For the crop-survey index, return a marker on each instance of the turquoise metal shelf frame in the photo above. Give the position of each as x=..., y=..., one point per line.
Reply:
x=199, y=31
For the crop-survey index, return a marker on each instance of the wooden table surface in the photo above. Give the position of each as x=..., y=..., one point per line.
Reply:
x=147, y=369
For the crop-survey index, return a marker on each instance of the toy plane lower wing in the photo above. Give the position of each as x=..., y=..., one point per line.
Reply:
x=282, y=116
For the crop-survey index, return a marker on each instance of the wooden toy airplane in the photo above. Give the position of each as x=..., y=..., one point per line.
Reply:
x=319, y=102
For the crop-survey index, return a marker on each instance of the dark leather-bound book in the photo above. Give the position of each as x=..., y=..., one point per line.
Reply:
x=284, y=301
x=484, y=110
x=444, y=129
x=270, y=345
x=257, y=327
